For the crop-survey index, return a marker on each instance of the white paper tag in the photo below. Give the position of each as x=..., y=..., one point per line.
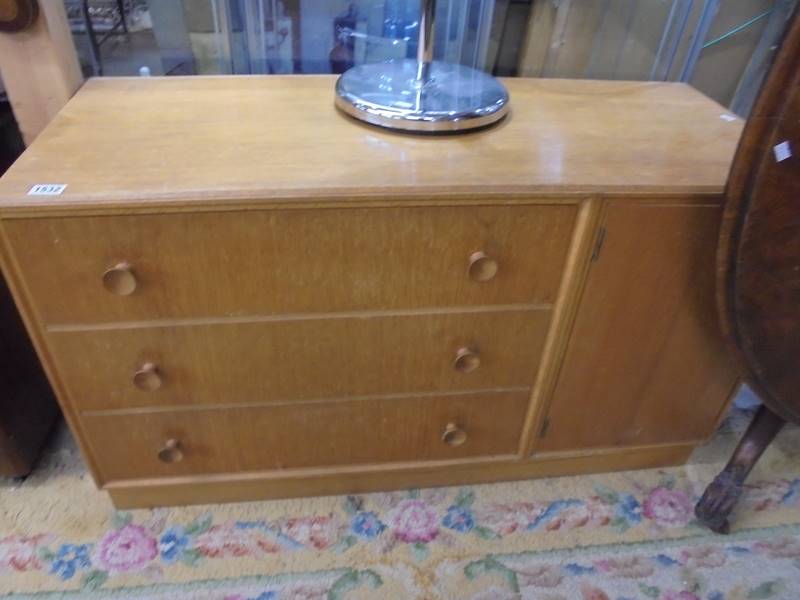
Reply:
x=47, y=189
x=782, y=151
x=727, y=117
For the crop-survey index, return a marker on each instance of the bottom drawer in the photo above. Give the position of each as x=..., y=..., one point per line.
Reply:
x=192, y=442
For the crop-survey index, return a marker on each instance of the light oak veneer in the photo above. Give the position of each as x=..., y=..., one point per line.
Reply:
x=243, y=294
x=303, y=358
x=318, y=434
x=242, y=264
x=199, y=140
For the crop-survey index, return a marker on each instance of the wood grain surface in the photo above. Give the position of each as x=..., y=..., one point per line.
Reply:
x=759, y=254
x=164, y=142
x=646, y=361
x=308, y=435
x=279, y=361
x=241, y=293
x=238, y=487
x=239, y=264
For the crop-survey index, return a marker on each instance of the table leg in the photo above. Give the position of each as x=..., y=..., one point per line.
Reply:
x=721, y=495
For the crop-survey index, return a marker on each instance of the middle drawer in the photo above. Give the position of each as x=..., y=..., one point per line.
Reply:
x=295, y=359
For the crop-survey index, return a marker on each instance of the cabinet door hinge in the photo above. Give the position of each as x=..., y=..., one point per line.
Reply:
x=545, y=427
x=598, y=245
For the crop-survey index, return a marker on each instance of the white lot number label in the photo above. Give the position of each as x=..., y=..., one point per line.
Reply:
x=47, y=189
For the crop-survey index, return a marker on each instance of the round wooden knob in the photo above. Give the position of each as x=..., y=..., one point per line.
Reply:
x=482, y=267
x=148, y=379
x=171, y=452
x=467, y=360
x=120, y=280
x=453, y=435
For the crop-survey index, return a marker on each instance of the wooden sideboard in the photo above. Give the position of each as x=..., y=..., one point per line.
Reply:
x=241, y=293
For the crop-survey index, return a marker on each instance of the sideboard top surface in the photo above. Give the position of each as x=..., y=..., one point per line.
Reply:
x=150, y=142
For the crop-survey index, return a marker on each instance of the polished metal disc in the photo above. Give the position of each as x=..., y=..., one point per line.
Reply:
x=413, y=96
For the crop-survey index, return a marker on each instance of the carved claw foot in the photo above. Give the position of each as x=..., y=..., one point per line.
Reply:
x=717, y=502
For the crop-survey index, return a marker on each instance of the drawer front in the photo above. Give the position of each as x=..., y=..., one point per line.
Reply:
x=300, y=359
x=194, y=442
x=131, y=268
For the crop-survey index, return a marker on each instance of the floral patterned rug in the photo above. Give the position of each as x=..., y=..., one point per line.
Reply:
x=617, y=536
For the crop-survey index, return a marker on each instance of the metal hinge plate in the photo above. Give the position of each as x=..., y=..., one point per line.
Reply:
x=598, y=245
x=545, y=427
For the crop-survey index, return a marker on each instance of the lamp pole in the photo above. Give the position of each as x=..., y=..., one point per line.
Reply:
x=427, y=20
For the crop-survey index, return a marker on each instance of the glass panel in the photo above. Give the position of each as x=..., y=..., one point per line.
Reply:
x=270, y=36
x=722, y=48
x=310, y=36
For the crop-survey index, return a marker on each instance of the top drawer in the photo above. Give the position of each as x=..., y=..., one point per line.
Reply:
x=194, y=265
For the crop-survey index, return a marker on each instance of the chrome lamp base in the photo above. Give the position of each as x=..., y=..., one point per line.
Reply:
x=409, y=95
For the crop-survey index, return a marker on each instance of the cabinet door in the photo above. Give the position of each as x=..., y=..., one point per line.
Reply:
x=646, y=363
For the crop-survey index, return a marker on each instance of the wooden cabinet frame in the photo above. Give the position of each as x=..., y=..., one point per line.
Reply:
x=584, y=157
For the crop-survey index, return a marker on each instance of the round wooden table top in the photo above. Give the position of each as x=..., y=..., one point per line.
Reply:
x=759, y=253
